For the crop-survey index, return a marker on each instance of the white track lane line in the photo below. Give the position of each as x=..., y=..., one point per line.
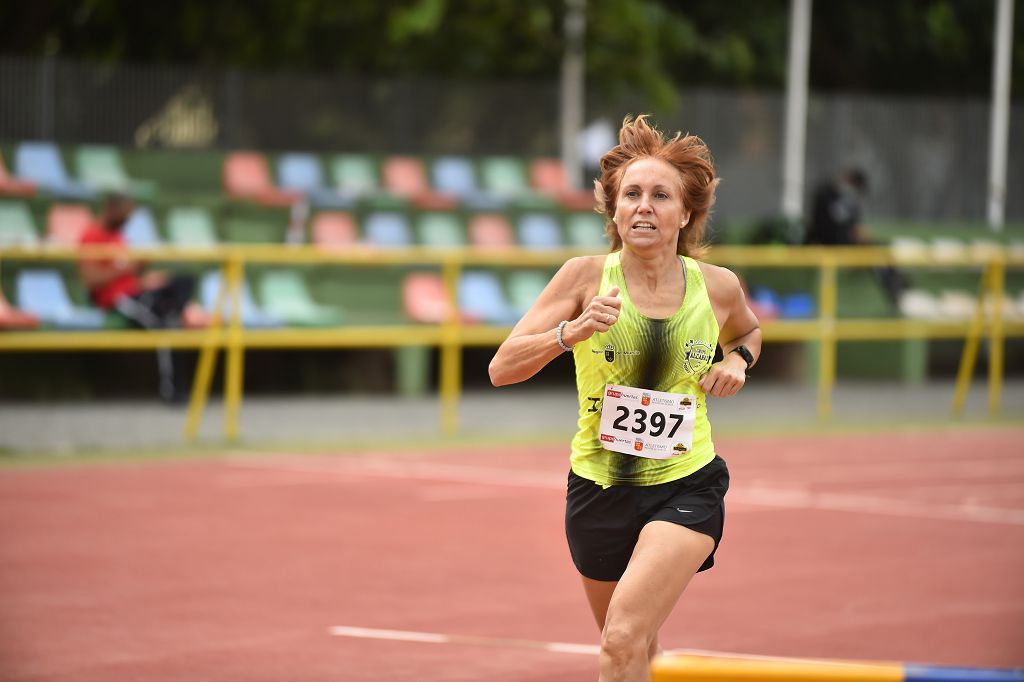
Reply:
x=759, y=496
x=554, y=647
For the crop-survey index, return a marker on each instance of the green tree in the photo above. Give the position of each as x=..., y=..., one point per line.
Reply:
x=655, y=46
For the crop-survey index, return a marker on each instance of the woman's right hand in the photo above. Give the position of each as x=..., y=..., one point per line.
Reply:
x=598, y=316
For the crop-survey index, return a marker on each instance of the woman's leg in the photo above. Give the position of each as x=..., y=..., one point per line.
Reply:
x=599, y=594
x=665, y=559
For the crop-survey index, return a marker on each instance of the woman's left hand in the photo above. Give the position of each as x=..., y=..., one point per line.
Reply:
x=726, y=377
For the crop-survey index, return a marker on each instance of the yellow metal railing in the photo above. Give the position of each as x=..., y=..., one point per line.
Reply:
x=453, y=335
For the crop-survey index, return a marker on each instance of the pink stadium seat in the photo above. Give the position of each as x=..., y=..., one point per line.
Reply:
x=247, y=176
x=425, y=300
x=12, y=318
x=406, y=177
x=333, y=229
x=13, y=187
x=490, y=231
x=547, y=176
x=65, y=223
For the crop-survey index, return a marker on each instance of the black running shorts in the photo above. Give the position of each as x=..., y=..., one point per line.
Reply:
x=604, y=524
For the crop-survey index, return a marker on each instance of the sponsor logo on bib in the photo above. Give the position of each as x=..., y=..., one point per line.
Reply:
x=638, y=445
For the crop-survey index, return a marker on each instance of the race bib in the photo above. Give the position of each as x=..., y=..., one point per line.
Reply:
x=653, y=424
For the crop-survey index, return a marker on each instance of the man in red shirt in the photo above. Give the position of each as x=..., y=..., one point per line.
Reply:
x=147, y=299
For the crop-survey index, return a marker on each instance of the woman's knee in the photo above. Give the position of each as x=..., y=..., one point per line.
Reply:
x=623, y=642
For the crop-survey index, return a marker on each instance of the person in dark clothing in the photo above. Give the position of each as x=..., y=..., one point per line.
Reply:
x=836, y=211
x=837, y=220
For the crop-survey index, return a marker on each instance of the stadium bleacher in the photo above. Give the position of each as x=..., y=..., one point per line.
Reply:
x=204, y=198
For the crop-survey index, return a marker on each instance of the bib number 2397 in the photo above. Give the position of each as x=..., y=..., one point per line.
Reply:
x=653, y=424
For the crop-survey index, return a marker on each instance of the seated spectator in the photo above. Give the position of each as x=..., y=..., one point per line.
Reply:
x=836, y=220
x=147, y=299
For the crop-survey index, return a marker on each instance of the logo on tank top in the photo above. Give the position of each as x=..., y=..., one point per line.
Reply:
x=697, y=355
x=610, y=352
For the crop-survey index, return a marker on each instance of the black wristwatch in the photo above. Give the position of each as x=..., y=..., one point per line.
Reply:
x=747, y=356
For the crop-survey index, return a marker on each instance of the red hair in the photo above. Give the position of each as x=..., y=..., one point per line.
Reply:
x=687, y=154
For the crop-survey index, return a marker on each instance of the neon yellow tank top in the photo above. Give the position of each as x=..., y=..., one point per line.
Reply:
x=662, y=355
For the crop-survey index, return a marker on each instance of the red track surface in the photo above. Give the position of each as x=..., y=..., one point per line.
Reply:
x=895, y=547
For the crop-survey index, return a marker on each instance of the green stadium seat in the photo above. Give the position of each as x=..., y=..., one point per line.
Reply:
x=356, y=174
x=504, y=176
x=191, y=226
x=101, y=167
x=285, y=296
x=586, y=230
x=524, y=286
x=440, y=229
x=16, y=225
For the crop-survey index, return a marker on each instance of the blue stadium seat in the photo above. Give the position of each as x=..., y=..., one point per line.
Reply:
x=456, y=175
x=43, y=294
x=388, y=229
x=140, y=230
x=482, y=297
x=303, y=172
x=252, y=315
x=539, y=231
x=41, y=163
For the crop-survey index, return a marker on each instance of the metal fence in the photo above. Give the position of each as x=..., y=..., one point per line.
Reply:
x=926, y=157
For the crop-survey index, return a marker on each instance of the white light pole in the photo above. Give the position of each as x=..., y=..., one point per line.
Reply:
x=795, y=134
x=999, y=128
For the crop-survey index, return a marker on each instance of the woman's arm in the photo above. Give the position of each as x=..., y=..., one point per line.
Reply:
x=738, y=327
x=532, y=344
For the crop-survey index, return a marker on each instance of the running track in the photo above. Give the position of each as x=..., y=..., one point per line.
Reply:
x=887, y=547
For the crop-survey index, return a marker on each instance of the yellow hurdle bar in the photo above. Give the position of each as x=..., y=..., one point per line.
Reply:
x=706, y=669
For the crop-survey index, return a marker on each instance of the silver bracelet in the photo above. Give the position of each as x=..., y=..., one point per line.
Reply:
x=558, y=336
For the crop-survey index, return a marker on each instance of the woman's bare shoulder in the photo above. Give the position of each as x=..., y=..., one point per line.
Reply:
x=582, y=272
